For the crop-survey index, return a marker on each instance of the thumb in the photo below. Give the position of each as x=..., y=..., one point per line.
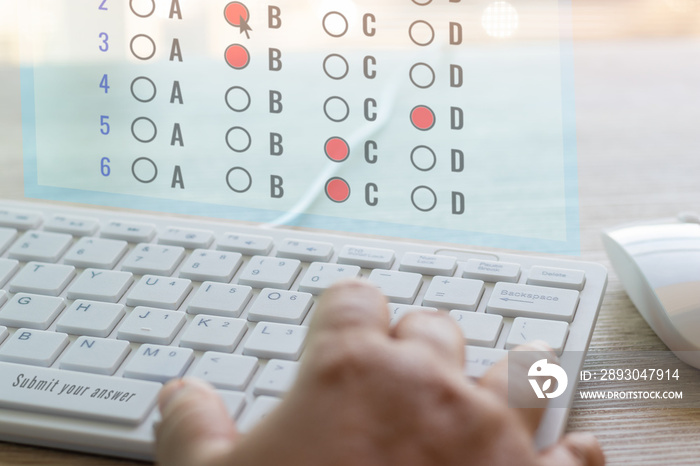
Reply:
x=195, y=426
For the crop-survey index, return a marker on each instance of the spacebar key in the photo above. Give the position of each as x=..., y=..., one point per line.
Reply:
x=76, y=394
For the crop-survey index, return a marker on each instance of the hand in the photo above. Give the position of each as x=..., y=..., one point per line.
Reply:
x=370, y=394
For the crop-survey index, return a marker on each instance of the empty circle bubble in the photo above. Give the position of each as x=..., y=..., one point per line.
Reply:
x=337, y=190
x=237, y=99
x=143, y=89
x=421, y=33
x=239, y=180
x=336, y=66
x=238, y=139
x=424, y=198
x=335, y=24
x=336, y=109
x=422, y=75
x=142, y=47
x=144, y=170
x=142, y=8
x=144, y=129
x=423, y=158
x=500, y=20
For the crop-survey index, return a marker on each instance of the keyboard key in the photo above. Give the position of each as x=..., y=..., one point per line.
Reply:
x=234, y=401
x=133, y=232
x=91, y=318
x=479, y=359
x=162, y=292
x=307, y=251
x=76, y=226
x=158, y=363
x=428, y=264
x=20, y=220
x=273, y=272
x=556, y=277
x=96, y=252
x=77, y=395
x=40, y=246
x=100, y=285
x=33, y=347
x=213, y=333
x=8, y=267
x=31, y=311
x=276, y=378
x=491, y=271
x=454, y=293
x=226, y=371
x=397, y=311
x=272, y=340
x=153, y=259
x=3, y=333
x=7, y=235
x=96, y=355
x=515, y=300
x=188, y=238
x=49, y=279
x=220, y=299
x=3, y=297
x=321, y=275
x=398, y=287
x=261, y=407
x=214, y=266
x=250, y=245
x=478, y=329
x=369, y=258
x=287, y=307
x=525, y=330
x=151, y=325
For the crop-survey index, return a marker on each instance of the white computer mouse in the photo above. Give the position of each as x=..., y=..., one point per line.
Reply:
x=659, y=267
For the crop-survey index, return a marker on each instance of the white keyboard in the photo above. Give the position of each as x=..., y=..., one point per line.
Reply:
x=98, y=309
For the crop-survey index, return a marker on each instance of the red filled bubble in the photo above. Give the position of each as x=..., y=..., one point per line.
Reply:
x=337, y=190
x=422, y=118
x=234, y=12
x=337, y=149
x=237, y=56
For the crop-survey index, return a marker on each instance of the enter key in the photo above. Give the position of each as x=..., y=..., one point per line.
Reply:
x=518, y=300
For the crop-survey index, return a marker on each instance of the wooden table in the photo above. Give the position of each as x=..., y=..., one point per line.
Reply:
x=638, y=114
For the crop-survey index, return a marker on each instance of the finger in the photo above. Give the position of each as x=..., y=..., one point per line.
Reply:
x=436, y=330
x=195, y=427
x=350, y=305
x=575, y=449
x=519, y=393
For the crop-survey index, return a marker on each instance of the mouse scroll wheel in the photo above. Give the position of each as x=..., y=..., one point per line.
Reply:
x=689, y=217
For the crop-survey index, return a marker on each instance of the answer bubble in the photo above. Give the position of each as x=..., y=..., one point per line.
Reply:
x=337, y=149
x=335, y=24
x=144, y=170
x=142, y=47
x=237, y=56
x=142, y=8
x=239, y=180
x=421, y=33
x=238, y=139
x=424, y=198
x=422, y=2
x=234, y=12
x=423, y=158
x=337, y=190
x=336, y=109
x=143, y=89
x=144, y=130
x=238, y=99
x=336, y=66
x=422, y=117
x=422, y=75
